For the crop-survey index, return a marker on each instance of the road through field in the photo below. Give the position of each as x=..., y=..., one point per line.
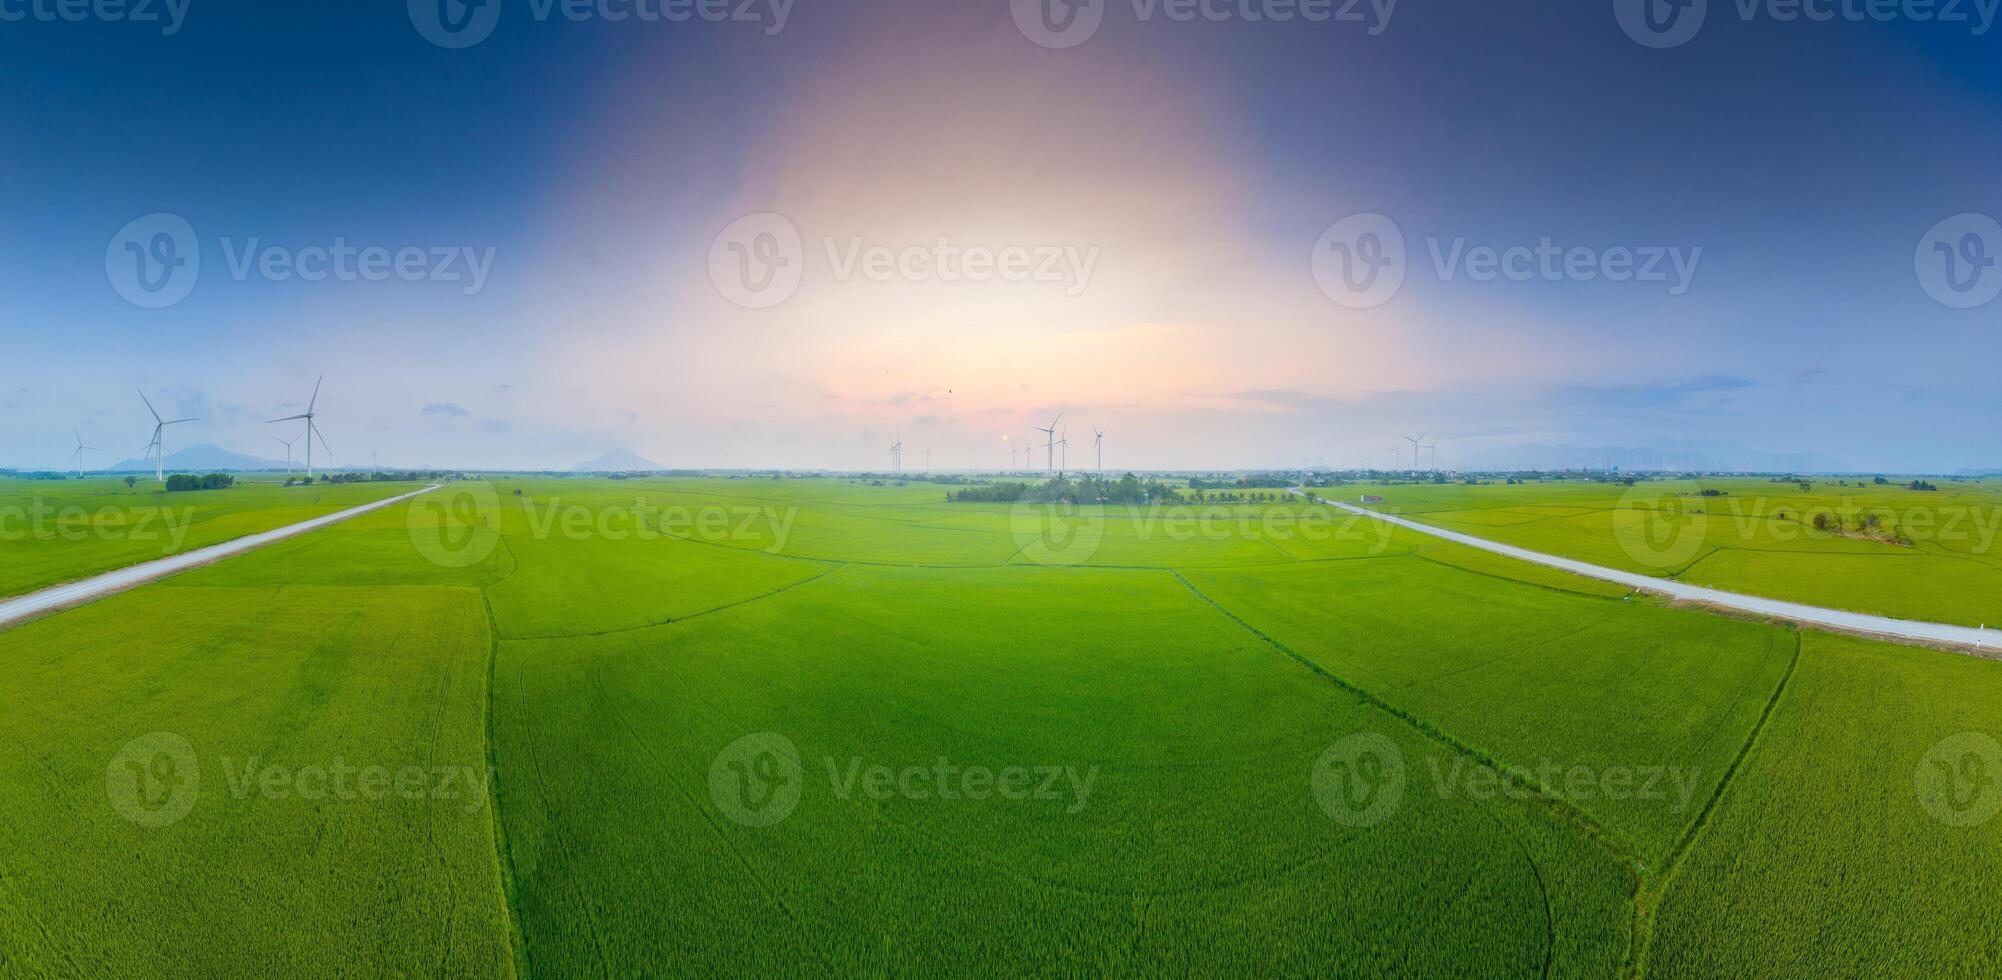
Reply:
x=1986, y=641
x=35, y=603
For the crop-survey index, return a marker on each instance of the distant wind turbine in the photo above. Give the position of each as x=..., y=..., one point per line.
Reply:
x=1413, y=440
x=897, y=454
x=78, y=455
x=158, y=444
x=312, y=428
x=1065, y=444
x=1098, y=447
x=1050, y=442
x=288, y=451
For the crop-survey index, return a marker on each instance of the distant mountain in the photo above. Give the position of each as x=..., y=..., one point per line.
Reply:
x=618, y=461
x=205, y=457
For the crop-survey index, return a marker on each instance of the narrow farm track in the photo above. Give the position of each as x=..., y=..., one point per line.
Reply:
x=1985, y=642
x=76, y=593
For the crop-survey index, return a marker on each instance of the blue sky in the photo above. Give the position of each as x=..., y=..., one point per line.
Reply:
x=598, y=166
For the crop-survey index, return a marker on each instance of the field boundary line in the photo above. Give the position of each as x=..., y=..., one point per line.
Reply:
x=503, y=854
x=1648, y=902
x=33, y=604
x=1966, y=639
x=1580, y=820
x=699, y=613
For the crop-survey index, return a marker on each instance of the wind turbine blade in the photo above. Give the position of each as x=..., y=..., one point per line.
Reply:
x=315, y=431
x=316, y=394
x=179, y=421
x=288, y=418
x=149, y=406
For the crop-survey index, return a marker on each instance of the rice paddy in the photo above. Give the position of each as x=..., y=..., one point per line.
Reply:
x=713, y=727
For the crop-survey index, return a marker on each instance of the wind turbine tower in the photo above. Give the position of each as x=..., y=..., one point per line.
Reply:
x=312, y=428
x=159, y=445
x=1098, y=447
x=1050, y=443
x=1413, y=440
x=78, y=455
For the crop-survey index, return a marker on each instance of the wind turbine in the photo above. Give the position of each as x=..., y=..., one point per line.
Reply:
x=1065, y=442
x=1433, y=448
x=78, y=455
x=1399, y=453
x=897, y=454
x=1413, y=440
x=288, y=452
x=159, y=427
x=312, y=428
x=1050, y=442
x=1098, y=447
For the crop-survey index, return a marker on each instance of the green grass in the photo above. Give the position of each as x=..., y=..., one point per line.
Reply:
x=1493, y=664
x=63, y=531
x=247, y=883
x=1200, y=850
x=1196, y=662
x=1758, y=537
x=1822, y=859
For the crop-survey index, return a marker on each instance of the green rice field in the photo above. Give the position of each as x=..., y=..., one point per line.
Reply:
x=735, y=727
